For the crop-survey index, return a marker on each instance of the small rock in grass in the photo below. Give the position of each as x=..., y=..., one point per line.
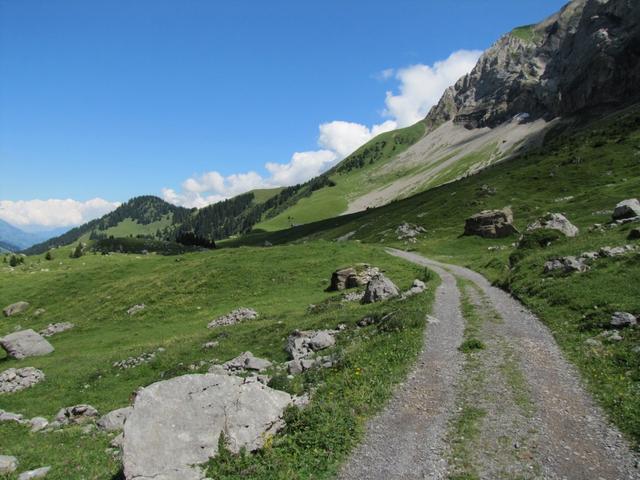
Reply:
x=136, y=308
x=210, y=345
x=8, y=464
x=15, y=308
x=626, y=209
x=623, y=319
x=76, y=414
x=38, y=423
x=379, y=288
x=11, y=417
x=37, y=473
x=592, y=342
x=54, y=328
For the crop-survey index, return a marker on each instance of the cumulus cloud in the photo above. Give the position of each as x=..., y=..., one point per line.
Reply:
x=421, y=86
x=53, y=212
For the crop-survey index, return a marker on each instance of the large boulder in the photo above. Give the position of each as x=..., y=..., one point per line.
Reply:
x=379, y=288
x=25, y=343
x=176, y=424
x=236, y=316
x=15, y=308
x=627, y=209
x=16, y=379
x=623, y=319
x=491, y=224
x=555, y=221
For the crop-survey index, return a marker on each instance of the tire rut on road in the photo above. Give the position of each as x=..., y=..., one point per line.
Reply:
x=407, y=440
x=573, y=438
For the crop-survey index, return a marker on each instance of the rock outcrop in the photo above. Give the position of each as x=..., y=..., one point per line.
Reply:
x=15, y=308
x=303, y=343
x=555, y=221
x=566, y=265
x=175, y=424
x=491, y=224
x=586, y=56
x=25, y=343
x=16, y=379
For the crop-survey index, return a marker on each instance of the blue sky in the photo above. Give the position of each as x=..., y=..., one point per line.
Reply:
x=112, y=99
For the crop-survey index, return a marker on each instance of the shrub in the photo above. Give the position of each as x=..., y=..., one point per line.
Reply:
x=49, y=255
x=16, y=260
x=471, y=345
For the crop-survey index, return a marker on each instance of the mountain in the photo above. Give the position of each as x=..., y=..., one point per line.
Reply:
x=579, y=63
x=14, y=239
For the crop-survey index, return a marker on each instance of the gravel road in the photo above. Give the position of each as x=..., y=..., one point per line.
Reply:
x=570, y=436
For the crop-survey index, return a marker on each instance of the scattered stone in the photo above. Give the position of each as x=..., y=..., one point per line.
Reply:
x=54, y=328
x=353, y=296
x=418, y=286
x=300, y=365
x=611, y=335
x=409, y=231
x=589, y=255
x=175, y=424
x=615, y=251
x=37, y=473
x=432, y=320
x=39, y=312
x=303, y=343
x=566, y=264
x=114, y=420
x=236, y=316
x=555, y=221
x=15, y=308
x=11, y=417
x=491, y=224
x=16, y=379
x=267, y=243
x=623, y=319
x=210, y=345
x=246, y=361
x=38, y=423
x=592, y=342
x=366, y=321
x=25, y=343
x=346, y=236
x=78, y=414
x=379, y=288
x=136, y=308
x=133, y=362
x=8, y=464
x=627, y=209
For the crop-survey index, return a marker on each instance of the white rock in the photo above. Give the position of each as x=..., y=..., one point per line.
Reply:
x=175, y=424
x=38, y=473
x=8, y=464
x=25, y=343
x=114, y=420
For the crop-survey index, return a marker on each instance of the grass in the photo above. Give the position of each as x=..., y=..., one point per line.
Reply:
x=182, y=294
x=581, y=171
x=526, y=33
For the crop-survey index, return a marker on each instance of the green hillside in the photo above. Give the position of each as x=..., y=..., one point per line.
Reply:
x=582, y=172
x=182, y=294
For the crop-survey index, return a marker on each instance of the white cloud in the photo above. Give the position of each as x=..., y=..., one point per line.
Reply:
x=421, y=86
x=53, y=212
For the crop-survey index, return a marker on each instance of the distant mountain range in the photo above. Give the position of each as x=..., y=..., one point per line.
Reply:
x=13, y=239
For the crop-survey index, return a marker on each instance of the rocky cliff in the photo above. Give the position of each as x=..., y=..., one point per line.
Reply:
x=585, y=56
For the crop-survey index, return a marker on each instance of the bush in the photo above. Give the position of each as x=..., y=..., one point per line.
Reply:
x=49, y=255
x=78, y=251
x=16, y=260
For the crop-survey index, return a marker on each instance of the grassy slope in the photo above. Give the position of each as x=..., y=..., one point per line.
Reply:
x=331, y=201
x=582, y=175
x=182, y=294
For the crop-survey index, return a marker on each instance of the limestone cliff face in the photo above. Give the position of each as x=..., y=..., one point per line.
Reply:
x=585, y=56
